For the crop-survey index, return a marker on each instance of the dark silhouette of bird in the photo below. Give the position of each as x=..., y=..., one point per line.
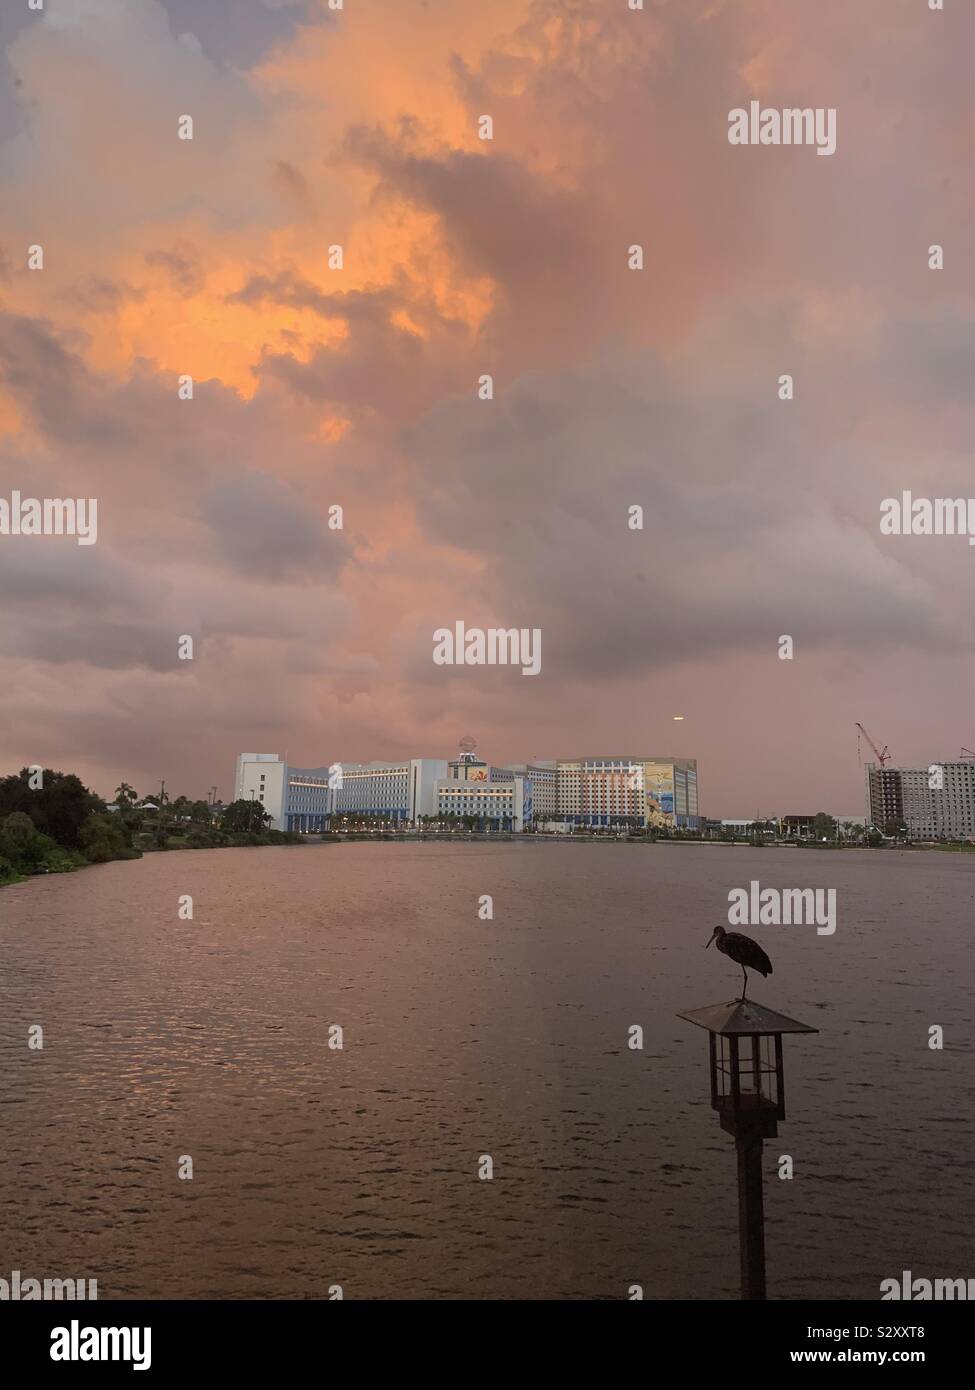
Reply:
x=743, y=950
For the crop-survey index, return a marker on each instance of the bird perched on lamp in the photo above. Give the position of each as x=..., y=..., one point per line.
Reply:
x=743, y=951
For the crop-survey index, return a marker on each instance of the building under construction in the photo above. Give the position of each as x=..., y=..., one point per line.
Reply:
x=931, y=803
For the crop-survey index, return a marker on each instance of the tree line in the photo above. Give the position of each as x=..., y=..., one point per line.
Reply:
x=50, y=822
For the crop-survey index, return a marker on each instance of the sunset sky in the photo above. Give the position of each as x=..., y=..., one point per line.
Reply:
x=358, y=387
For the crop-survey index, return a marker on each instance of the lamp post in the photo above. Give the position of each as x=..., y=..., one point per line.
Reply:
x=748, y=1092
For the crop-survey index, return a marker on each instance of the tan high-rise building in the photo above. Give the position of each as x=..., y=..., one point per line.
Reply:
x=631, y=791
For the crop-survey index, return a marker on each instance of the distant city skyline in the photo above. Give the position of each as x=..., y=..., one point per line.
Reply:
x=738, y=810
x=570, y=792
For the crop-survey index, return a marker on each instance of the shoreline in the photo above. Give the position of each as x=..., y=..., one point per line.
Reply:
x=503, y=837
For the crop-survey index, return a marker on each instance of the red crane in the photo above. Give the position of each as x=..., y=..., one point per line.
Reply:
x=882, y=757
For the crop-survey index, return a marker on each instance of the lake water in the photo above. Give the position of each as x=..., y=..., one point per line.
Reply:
x=463, y=1038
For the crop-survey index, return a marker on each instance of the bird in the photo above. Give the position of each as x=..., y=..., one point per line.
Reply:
x=743, y=950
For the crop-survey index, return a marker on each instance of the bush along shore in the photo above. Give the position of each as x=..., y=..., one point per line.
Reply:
x=51, y=823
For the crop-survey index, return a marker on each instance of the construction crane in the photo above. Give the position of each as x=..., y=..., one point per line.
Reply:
x=882, y=757
x=967, y=756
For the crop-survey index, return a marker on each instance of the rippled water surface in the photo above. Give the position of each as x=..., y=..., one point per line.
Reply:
x=464, y=1037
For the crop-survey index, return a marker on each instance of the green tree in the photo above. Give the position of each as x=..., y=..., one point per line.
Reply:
x=58, y=807
x=823, y=826
x=125, y=795
x=8, y=871
x=23, y=844
x=245, y=816
x=104, y=838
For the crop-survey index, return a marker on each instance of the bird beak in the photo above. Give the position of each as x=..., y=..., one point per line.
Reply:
x=708, y=942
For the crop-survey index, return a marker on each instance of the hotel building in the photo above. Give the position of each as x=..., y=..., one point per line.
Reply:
x=638, y=792
x=476, y=789
x=296, y=798
x=402, y=791
x=544, y=781
x=904, y=796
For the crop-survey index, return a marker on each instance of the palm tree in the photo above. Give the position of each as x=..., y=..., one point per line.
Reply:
x=125, y=795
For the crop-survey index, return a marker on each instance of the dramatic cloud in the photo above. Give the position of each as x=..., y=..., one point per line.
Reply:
x=263, y=531
x=315, y=387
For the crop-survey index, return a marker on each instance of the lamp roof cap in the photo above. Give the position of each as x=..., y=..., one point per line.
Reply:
x=743, y=1016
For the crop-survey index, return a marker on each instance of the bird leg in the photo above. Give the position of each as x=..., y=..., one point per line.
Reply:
x=745, y=986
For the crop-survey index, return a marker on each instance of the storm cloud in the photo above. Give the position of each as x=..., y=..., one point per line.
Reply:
x=167, y=261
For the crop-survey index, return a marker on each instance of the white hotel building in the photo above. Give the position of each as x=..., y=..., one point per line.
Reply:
x=396, y=791
x=296, y=798
x=475, y=788
x=305, y=799
x=407, y=791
